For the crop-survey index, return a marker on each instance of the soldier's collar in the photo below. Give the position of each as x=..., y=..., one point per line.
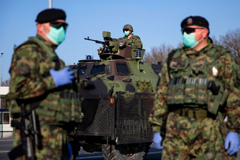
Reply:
x=207, y=48
x=128, y=35
x=53, y=46
x=190, y=51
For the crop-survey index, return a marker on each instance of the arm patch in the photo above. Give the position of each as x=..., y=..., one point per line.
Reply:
x=24, y=69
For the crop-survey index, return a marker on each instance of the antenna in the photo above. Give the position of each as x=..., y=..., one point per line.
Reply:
x=50, y=3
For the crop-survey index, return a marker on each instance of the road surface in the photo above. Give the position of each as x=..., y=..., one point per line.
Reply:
x=6, y=144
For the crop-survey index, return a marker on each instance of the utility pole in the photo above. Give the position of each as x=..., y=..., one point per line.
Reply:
x=1, y=79
x=50, y=3
x=1, y=70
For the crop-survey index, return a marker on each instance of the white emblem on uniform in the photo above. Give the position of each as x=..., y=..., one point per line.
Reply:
x=214, y=71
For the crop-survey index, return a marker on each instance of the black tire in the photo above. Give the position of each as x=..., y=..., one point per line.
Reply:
x=147, y=148
x=125, y=151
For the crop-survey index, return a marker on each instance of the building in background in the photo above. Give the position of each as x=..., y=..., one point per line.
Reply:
x=5, y=119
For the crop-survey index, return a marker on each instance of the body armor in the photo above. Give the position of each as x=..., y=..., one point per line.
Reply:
x=196, y=84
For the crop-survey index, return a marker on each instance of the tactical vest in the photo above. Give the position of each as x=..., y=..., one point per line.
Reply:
x=196, y=83
x=61, y=104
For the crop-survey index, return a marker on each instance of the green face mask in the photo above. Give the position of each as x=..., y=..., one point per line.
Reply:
x=56, y=35
x=189, y=40
x=126, y=33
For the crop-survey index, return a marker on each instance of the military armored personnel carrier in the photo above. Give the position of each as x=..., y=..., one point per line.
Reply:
x=117, y=94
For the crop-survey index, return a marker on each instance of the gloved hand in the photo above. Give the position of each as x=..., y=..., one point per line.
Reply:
x=232, y=139
x=157, y=139
x=69, y=157
x=62, y=77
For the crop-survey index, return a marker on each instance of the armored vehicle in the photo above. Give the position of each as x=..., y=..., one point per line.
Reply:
x=117, y=94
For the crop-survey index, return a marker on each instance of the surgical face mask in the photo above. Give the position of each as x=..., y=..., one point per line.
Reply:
x=56, y=35
x=189, y=40
x=126, y=33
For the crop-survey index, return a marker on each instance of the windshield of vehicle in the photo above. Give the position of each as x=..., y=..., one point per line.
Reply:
x=98, y=70
x=82, y=71
x=122, y=69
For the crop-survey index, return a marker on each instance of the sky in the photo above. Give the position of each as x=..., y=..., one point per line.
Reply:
x=156, y=22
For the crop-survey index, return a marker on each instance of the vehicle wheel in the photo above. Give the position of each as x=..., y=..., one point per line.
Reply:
x=125, y=151
x=147, y=148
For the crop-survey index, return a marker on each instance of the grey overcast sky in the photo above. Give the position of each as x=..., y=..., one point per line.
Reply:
x=155, y=21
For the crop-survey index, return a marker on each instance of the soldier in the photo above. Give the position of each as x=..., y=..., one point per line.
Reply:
x=131, y=40
x=198, y=84
x=41, y=81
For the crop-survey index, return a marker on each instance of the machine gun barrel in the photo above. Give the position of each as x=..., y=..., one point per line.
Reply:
x=96, y=41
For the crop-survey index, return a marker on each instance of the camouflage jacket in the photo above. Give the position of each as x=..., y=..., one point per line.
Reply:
x=227, y=75
x=31, y=82
x=29, y=71
x=134, y=41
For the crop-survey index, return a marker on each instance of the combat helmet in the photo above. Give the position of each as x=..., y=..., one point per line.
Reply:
x=128, y=26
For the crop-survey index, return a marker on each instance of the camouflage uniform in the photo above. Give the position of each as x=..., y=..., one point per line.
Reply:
x=238, y=74
x=192, y=132
x=32, y=84
x=134, y=41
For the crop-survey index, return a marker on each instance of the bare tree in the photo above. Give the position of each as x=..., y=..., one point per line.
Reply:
x=215, y=40
x=231, y=41
x=6, y=83
x=158, y=54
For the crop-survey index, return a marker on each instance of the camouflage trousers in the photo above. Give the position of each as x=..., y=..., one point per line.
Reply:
x=54, y=143
x=192, y=139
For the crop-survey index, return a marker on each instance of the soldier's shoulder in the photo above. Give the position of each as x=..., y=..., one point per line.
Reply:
x=223, y=54
x=222, y=51
x=176, y=52
x=136, y=36
x=176, y=49
x=27, y=47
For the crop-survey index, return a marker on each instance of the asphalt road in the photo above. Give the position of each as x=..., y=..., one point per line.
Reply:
x=153, y=154
x=6, y=144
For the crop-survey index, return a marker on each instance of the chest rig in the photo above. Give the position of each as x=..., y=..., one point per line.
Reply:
x=195, y=82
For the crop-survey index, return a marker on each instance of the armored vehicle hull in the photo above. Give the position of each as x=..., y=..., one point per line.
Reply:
x=117, y=94
x=116, y=98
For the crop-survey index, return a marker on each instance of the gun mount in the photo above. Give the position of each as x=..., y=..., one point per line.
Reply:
x=116, y=48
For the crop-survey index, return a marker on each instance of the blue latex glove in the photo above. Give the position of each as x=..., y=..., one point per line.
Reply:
x=157, y=139
x=232, y=139
x=69, y=151
x=62, y=77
